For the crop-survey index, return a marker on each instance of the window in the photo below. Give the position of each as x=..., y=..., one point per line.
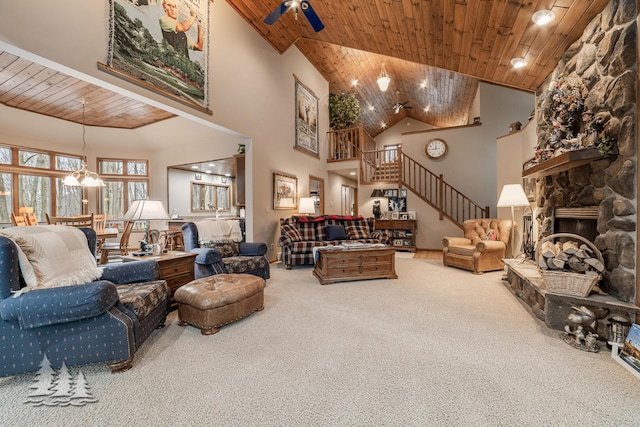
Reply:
x=391, y=153
x=33, y=177
x=125, y=180
x=209, y=197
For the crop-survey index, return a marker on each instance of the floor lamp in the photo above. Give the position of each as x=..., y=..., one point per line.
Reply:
x=512, y=195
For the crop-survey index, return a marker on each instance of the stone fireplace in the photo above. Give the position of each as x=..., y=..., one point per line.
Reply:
x=603, y=64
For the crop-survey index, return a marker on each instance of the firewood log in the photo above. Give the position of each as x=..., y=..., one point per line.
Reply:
x=595, y=263
x=570, y=247
x=562, y=256
x=555, y=264
x=548, y=250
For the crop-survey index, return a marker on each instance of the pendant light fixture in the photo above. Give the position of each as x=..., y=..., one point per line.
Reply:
x=83, y=176
x=383, y=79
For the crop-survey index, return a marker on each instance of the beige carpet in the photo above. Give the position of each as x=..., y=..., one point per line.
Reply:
x=438, y=346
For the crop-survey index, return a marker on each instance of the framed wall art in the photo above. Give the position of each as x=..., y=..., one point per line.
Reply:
x=306, y=120
x=162, y=46
x=285, y=191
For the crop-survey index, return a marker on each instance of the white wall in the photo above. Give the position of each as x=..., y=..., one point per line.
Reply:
x=251, y=93
x=513, y=151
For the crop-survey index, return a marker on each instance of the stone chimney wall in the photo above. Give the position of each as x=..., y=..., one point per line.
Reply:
x=604, y=61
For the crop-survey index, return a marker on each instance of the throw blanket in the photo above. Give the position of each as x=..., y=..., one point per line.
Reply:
x=214, y=230
x=53, y=255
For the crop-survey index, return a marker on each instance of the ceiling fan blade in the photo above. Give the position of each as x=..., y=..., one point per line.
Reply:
x=277, y=12
x=407, y=106
x=311, y=15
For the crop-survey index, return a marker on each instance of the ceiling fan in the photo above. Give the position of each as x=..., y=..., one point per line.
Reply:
x=399, y=105
x=308, y=11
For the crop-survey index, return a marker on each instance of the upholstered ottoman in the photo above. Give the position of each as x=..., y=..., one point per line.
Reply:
x=214, y=301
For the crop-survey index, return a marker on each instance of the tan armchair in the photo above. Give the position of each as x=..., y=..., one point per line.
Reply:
x=477, y=250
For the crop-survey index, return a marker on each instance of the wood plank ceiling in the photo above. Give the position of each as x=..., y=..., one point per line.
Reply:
x=449, y=45
x=36, y=88
x=435, y=51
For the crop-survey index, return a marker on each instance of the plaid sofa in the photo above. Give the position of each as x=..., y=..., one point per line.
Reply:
x=300, y=234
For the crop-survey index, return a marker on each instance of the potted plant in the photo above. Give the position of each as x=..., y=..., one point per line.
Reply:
x=344, y=110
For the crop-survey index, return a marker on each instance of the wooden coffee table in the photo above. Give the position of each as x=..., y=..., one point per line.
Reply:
x=344, y=265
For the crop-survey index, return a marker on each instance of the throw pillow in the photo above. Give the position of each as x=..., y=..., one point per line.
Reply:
x=335, y=232
x=491, y=235
x=291, y=231
x=57, y=255
x=226, y=247
x=358, y=230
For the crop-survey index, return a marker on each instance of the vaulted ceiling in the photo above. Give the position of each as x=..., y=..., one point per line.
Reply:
x=435, y=51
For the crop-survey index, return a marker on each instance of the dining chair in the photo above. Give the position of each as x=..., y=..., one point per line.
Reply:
x=31, y=218
x=100, y=227
x=122, y=248
x=18, y=219
x=73, y=221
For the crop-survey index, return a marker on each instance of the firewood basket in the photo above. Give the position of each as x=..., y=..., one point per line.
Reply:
x=567, y=282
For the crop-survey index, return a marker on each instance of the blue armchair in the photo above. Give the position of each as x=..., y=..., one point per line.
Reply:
x=81, y=324
x=227, y=257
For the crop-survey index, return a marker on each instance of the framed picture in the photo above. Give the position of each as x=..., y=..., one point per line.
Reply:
x=404, y=216
x=285, y=191
x=398, y=204
x=412, y=214
x=403, y=192
x=198, y=176
x=394, y=215
x=391, y=193
x=306, y=120
x=145, y=48
x=397, y=242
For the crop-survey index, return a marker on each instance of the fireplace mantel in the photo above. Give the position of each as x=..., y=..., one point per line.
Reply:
x=563, y=162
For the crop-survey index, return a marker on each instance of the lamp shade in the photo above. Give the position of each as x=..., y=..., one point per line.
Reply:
x=512, y=195
x=383, y=79
x=377, y=193
x=141, y=210
x=307, y=206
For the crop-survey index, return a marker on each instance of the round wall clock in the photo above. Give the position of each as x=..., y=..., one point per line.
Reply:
x=436, y=148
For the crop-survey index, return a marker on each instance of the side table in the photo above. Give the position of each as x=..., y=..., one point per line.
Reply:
x=177, y=268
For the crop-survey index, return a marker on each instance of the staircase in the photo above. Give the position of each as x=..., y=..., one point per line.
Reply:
x=395, y=167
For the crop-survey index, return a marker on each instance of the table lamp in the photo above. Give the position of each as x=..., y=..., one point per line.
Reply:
x=512, y=195
x=377, y=213
x=307, y=206
x=145, y=210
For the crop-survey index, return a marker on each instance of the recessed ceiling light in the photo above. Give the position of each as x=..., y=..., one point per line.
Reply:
x=207, y=171
x=518, y=62
x=426, y=109
x=227, y=174
x=371, y=107
x=194, y=167
x=384, y=125
x=352, y=173
x=543, y=17
x=212, y=164
x=423, y=84
x=354, y=82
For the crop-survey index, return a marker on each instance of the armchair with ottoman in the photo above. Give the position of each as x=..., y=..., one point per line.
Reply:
x=220, y=249
x=300, y=234
x=482, y=248
x=55, y=301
